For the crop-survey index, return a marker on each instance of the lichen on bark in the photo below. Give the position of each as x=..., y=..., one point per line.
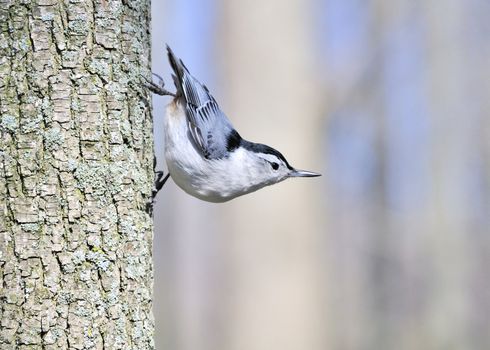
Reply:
x=76, y=170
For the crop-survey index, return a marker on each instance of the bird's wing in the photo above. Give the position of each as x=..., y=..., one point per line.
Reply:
x=209, y=127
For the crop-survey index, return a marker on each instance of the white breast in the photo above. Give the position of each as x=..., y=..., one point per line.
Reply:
x=216, y=180
x=190, y=171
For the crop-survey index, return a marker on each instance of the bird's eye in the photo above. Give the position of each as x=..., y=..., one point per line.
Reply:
x=275, y=166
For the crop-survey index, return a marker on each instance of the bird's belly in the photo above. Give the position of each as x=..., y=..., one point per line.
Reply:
x=192, y=176
x=188, y=168
x=197, y=187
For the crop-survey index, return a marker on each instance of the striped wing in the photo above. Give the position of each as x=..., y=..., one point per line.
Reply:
x=209, y=127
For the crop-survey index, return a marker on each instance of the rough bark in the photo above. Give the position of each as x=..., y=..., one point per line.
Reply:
x=76, y=168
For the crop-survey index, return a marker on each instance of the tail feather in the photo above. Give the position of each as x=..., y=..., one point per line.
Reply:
x=187, y=86
x=179, y=70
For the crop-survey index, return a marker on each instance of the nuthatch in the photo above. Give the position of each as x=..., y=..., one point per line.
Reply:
x=206, y=156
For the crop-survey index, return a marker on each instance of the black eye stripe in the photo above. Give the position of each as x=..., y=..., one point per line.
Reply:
x=260, y=148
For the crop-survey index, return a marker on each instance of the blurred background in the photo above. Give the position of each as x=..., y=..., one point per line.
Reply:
x=390, y=248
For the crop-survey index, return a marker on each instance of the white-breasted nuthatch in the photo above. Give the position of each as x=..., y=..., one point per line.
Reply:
x=205, y=155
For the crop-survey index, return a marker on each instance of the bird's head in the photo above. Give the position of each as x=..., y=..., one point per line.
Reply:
x=271, y=166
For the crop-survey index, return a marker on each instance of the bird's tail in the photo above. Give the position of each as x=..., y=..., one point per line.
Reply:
x=188, y=87
x=179, y=70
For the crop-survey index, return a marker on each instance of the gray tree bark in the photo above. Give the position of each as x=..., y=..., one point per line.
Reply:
x=76, y=169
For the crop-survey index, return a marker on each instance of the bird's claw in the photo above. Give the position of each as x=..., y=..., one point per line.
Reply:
x=160, y=180
x=159, y=88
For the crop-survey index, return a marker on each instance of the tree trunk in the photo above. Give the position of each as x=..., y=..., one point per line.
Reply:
x=76, y=169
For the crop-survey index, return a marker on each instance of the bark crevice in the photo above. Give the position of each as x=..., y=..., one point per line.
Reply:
x=76, y=171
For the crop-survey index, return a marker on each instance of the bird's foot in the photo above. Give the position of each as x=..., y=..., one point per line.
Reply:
x=157, y=186
x=159, y=182
x=157, y=88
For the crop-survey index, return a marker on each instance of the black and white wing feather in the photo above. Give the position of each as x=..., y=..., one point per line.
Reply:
x=209, y=127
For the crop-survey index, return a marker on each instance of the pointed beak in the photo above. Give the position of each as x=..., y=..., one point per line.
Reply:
x=303, y=173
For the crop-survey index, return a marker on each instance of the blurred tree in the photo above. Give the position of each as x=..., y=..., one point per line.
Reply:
x=76, y=170
x=409, y=159
x=272, y=92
